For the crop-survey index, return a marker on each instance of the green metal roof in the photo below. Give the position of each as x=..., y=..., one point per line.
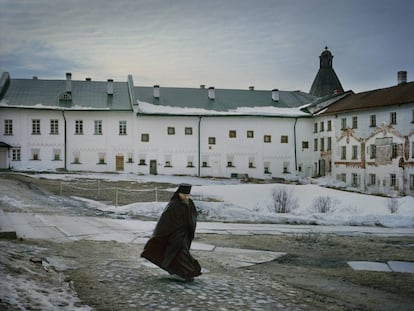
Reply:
x=225, y=99
x=85, y=95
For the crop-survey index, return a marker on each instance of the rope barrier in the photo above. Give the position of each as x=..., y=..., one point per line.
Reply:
x=99, y=190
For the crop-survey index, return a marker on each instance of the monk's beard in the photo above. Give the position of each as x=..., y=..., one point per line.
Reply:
x=185, y=200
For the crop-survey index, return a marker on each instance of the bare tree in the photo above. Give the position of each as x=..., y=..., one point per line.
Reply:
x=283, y=200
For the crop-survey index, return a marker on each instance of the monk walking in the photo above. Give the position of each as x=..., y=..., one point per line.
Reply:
x=169, y=246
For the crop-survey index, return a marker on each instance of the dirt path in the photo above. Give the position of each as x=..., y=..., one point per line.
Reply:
x=111, y=276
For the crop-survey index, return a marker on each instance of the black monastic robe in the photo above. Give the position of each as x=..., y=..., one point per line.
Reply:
x=169, y=246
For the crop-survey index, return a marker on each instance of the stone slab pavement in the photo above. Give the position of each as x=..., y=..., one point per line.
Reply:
x=73, y=228
x=390, y=266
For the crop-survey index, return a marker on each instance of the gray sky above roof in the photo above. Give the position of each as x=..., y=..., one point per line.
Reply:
x=226, y=44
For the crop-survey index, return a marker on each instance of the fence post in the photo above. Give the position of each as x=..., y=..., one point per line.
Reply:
x=116, y=197
x=99, y=189
x=156, y=194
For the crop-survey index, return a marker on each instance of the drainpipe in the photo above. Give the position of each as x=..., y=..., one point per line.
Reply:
x=294, y=139
x=65, y=139
x=199, y=146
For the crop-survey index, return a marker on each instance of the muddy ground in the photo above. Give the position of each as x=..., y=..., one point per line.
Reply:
x=314, y=274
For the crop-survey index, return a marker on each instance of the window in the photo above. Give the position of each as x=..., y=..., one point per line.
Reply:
x=211, y=140
x=79, y=127
x=412, y=149
x=393, y=118
x=54, y=127
x=122, y=127
x=204, y=161
x=354, y=152
x=315, y=127
x=373, y=120
x=190, y=160
x=343, y=152
x=329, y=125
x=35, y=154
x=315, y=144
x=76, y=157
x=145, y=137
x=251, y=163
x=355, y=180
x=230, y=161
x=373, y=153
x=188, y=131
x=16, y=154
x=101, y=158
x=394, y=150
x=266, y=167
x=305, y=145
x=411, y=181
x=284, y=139
x=383, y=141
x=35, y=127
x=250, y=134
x=8, y=127
x=267, y=138
x=142, y=161
x=98, y=127
x=393, y=180
x=322, y=141
x=329, y=147
x=341, y=177
x=167, y=160
x=372, y=179
x=354, y=122
x=130, y=158
x=343, y=124
x=286, y=167
x=56, y=154
x=322, y=126
x=232, y=134
x=171, y=130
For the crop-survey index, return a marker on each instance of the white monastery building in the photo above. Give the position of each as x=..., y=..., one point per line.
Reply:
x=364, y=140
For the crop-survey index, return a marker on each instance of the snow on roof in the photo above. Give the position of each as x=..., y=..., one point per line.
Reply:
x=147, y=108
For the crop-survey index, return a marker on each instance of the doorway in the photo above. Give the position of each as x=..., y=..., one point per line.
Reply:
x=321, y=167
x=153, y=167
x=119, y=162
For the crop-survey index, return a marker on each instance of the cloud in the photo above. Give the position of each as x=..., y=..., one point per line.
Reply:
x=229, y=44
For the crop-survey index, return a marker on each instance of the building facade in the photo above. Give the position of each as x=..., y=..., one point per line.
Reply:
x=364, y=141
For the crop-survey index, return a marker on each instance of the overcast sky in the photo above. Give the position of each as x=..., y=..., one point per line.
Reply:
x=223, y=43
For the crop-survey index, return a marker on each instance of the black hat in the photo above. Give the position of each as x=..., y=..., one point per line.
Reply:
x=184, y=188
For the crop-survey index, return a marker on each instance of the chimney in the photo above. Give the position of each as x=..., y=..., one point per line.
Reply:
x=34, y=77
x=68, y=82
x=211, y=93
x=275, y=95
x=87, y=79
x=156, y=92
x=110, y=87
x=402, y=77
x=251, y=88
x=202, y=86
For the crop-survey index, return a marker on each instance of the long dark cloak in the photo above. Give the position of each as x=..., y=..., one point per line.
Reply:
x=169, y=246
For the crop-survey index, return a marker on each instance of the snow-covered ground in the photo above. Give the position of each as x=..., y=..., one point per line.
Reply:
x=241, y=202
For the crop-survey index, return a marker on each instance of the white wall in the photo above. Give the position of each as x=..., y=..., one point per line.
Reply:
x=27, y=142
x=89, y=146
